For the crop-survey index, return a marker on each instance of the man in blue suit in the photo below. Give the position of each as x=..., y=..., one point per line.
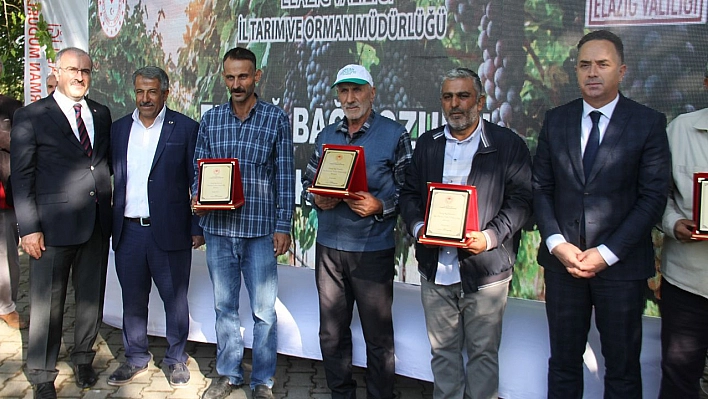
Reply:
x=601, y=178
x=154, y=230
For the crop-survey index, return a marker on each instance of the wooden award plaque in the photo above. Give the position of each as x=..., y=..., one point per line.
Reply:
x=451, y=212
x=341, y=172
x=219, y=184
x=700, y=206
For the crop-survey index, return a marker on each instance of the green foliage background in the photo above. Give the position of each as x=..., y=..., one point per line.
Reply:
x=541, y=34
x=12, y=46
x=12, y=50
x=549, y=33
x=112, y=82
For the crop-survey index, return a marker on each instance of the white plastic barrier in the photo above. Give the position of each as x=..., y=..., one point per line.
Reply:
x=523, y=354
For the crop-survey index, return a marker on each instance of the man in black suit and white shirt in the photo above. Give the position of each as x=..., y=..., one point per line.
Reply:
x=62, y=191
x=601, y=177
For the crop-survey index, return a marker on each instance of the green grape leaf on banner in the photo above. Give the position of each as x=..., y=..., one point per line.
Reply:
x=367, y=55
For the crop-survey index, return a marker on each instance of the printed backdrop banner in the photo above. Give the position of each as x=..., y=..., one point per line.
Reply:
x=68, y=25
x=523, y=50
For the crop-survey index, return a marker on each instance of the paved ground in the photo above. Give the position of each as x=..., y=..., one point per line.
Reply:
x=295, y=377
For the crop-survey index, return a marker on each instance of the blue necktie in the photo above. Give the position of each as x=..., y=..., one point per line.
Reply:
x=593, y=143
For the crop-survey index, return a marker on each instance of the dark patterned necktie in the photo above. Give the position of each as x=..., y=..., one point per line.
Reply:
x=83, y=133
x=593, y=143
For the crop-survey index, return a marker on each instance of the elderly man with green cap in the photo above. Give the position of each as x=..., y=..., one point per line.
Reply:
x=355, y=244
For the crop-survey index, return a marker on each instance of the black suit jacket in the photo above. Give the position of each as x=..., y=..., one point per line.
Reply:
x=169, y=182
x=624, y=196
x=56, y=186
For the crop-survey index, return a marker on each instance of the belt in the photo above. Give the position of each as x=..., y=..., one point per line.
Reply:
x=142, y=221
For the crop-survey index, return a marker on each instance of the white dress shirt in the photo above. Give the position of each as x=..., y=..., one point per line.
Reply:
x=67, y=107
x=142, y=144
x=586, y=125
x=456, y=169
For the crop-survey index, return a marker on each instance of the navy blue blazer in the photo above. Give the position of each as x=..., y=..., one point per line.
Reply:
x=624, y=196
x=169, y=182
x=55, y=185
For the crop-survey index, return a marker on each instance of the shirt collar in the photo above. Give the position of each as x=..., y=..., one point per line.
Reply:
x=344, y=125
x=66, y=103
x=701, y=123
x=606, y=110
x=250, y=111
x=477, y=132
x=158, y=119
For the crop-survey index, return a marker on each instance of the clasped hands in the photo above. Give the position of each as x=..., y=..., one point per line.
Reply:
x=580, y=264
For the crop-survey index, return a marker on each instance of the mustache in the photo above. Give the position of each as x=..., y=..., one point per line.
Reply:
x=238, y=90
x=146, y=103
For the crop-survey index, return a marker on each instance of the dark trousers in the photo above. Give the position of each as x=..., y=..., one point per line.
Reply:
x=367, y=279
x=49, y=277
x=9, y=261
x=684, y=341
x=139, y=262
x=618, y=316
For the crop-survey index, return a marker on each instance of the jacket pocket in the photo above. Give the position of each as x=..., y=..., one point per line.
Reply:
x=52, y=198
x=507, y=255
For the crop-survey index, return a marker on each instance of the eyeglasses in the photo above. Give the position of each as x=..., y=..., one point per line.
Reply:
x=74, y=71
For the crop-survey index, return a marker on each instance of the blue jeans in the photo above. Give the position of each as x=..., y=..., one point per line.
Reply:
x=228, y=258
